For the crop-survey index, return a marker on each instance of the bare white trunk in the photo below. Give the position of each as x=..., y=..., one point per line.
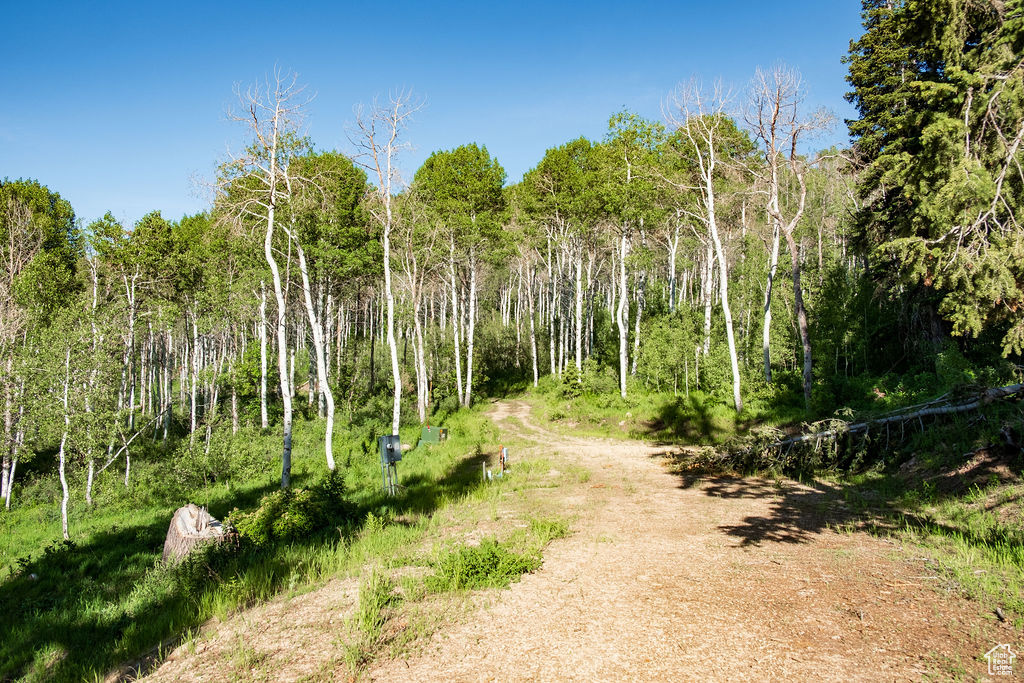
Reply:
x=579, y=314
x=673, y=250
x=636, y=325
x=264, y=420
x=194, y=378
x=621, y=317
x=421, y=365
x=472, y=327
x=282, y=352
x=61, y=454
x=392, y=345
x=321, y=357
x=531, y=278
x=456, y=318
x=723, y=281
x=706, y=282
x=773, y=266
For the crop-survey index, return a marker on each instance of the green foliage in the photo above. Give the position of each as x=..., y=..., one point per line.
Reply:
x=294, y=513
x=40, y=240
x=463, y=187
x=664, y=361
x=940, y=95
x=488, y=565
x=376, y=594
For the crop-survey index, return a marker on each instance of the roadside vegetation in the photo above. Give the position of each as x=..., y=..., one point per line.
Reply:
x=705, y=280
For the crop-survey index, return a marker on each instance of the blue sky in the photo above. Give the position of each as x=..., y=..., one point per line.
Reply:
x=121, y=106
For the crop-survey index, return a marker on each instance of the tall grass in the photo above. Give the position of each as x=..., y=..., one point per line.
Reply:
x=80, y=609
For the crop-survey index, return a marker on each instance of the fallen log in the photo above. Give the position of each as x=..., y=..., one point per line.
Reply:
x=191, y=526
x=910, y=413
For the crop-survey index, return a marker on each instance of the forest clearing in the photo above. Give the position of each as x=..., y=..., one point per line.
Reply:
x=663, y=574
x=501, y=378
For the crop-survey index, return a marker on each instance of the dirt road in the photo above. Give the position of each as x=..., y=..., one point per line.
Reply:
x=663, y=578
x=725, y=579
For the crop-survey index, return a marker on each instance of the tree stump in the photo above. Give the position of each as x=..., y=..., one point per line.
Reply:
x=190, y=527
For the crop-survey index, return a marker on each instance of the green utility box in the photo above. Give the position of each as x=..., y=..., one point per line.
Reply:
x=433, y=435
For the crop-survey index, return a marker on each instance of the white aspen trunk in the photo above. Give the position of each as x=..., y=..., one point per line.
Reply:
x=705, y=286
x=8, y=425
x=421, y=364
x=143, y=375
x=16, y=442
x=455, y=323
x=636, y=328
x=589, y=331
x=579, y=315
x=531, y=278
x=801, y=316
x=673, y=250
x=321, y=357
x=213, y=391
x=552, y=308
x=392, y=345
x=472, y=327
x=372, y=314
x=291, y=371
x=234, y=410
x=61, y=455
x=168, y=395
x=723, y=281
x=773, y=266
x=519, y=312
x=282, y=351
x=621, y=315
x=131, y=345
x=193, y=407
x=14, y=467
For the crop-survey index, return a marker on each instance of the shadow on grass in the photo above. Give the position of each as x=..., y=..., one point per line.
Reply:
x=83, y=605
x=79, y=609
x=418, y=494
x=696, y=418
x=798, y=512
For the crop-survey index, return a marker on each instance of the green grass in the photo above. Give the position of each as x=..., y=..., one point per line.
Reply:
x=697, y=418
x=487, y=565
x=80, y=609
x=976, y=541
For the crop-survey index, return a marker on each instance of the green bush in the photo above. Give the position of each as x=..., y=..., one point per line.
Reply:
x=487, y=565
x=571, y=386
x=294, y=513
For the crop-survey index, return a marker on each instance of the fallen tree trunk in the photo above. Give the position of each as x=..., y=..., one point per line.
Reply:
x=191, y=526
x=915, y=413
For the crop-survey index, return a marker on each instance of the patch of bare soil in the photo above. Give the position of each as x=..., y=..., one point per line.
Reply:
x=284, y=640
x=664, y=578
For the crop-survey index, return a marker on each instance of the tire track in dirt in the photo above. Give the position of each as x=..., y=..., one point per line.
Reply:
x=725, y=579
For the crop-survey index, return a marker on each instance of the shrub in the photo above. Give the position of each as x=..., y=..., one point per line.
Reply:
x=487, y=565
x=292, y=514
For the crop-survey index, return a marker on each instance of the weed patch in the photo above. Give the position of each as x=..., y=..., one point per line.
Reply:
x=488, y=565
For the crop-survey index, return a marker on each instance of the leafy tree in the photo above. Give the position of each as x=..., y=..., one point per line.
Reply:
x=940, y=95
x=463, y=187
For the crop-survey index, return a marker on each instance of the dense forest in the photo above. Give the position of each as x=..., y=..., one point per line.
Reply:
x=712, y=272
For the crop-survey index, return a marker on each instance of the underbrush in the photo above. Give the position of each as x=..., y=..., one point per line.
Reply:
x=488, y=565
x=594, y=406
x=78, y=609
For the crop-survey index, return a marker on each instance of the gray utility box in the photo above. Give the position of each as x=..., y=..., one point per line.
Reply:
x=390, y=449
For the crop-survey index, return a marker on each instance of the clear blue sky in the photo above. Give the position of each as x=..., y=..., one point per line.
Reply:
x=121, y=105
